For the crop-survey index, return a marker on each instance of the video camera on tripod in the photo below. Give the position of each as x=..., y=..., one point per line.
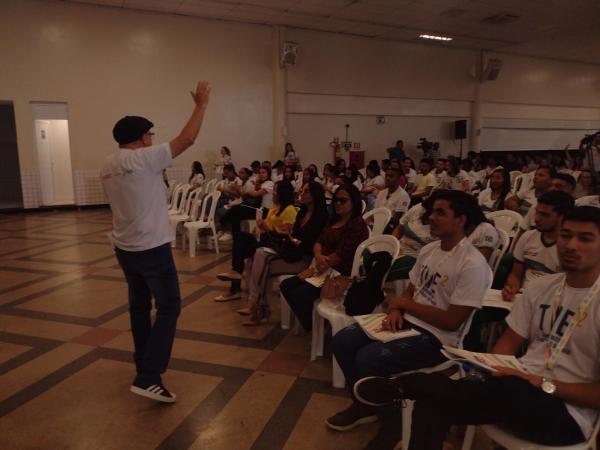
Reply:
x=428, y=147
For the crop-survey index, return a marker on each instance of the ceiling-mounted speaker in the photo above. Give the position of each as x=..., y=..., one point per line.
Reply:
x=491, y=70
x=289, y=54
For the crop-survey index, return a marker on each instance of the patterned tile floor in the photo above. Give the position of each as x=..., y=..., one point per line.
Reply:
x=65, y=355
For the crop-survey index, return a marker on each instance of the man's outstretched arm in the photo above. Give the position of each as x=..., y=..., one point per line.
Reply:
x=188, y=134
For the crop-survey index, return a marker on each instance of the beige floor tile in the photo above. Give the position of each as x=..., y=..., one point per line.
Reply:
x=226, y=355
x=40, y=328
x=81, y=254
x=87, y=298
x=298, y=344
x=38, y=287
x=36, y=369
x=234, y=427
x=121, y=322
x=94, y=410
x=320, y=369
x=9, y=351
x=311, y=433
x=81, y=228
x=37, y=265
x=16, y=243
x=209, y=316
x=9, y=278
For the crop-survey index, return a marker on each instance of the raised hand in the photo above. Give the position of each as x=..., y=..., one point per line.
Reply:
x=202, y=93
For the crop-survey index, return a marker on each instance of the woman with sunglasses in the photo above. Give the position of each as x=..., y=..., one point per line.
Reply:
x=334, y=249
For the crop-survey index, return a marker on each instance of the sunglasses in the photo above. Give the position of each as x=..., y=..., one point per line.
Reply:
x=341, y=200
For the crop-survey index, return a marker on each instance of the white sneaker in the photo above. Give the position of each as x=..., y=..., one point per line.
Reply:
x=226, y=237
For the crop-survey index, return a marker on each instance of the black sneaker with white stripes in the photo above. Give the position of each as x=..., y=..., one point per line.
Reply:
x=154, y=391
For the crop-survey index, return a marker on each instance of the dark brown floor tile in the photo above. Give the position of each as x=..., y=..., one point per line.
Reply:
x=96, y=336
x=284, y=363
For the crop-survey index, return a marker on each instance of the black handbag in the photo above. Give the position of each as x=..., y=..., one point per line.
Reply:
x=365, y=293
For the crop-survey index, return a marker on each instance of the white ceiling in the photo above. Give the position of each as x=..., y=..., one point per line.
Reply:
x=560, y=29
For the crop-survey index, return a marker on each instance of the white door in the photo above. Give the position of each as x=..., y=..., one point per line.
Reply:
x=54, y=154
x=42, y=133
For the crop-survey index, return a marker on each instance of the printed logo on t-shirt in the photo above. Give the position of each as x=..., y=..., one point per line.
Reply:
x=430, y=283
x=553, y=330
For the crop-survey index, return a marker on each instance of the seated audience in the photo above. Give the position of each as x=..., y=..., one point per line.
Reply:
x=408, y=167
x=223, y=161
x=456, y=179
x=334, y=249
x=279, y=220
x=560, y=182
x=197, y=178
x=535, y=251
x=373, y=184
x=291, y=258
x=587, y=184
x=555, y=399
x=393, y=197
x=492, y=198
x=527, y=197
x=447, y=284
x=425, y=181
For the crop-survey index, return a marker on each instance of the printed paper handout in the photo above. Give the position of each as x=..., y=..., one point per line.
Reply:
x=483, y=360
x=371, y=325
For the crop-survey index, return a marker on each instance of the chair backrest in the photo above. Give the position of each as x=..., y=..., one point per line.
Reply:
x=214, y=199
x=364, y=206
x=500, y=250
x=183, y=200
x=509, y=221
x=380, y=243
x=513, y=176
x=381, y=218
x=196, y=204
x=175, y=195
x=210, y=186
x=189, y=201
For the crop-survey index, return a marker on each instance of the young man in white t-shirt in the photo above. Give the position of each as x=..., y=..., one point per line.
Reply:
x=535, y=252
x=556, y=399
x=132, y=180
x=527, y=198
x=447, y=284
x=393, y=197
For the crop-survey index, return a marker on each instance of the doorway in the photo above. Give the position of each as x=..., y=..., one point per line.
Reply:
x=11, y=195
x=51, y=126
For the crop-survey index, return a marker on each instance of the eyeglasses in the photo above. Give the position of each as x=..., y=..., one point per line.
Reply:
x=341, y=200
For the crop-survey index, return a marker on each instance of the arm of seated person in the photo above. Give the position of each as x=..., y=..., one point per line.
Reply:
x=449, y=320
x=425, y=193
x=258, y=193
x=514, y=281
x=586, y=395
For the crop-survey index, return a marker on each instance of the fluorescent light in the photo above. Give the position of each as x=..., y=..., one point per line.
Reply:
x=435, y=38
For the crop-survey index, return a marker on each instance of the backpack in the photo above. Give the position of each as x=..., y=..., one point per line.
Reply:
x=365, y=293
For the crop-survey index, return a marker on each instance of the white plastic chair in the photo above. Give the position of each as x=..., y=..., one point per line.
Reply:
x=511, y=442
x=338, y=319
x=499, y=251
x=190, y=212
x=585, y=200
x=508, y=221
x=363, y=207
x=513, y=176
x=178, y=198
x=381, y=218
x=210, y=186
x=191, y=229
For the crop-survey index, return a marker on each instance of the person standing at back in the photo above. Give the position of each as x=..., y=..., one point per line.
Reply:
x=132, y=181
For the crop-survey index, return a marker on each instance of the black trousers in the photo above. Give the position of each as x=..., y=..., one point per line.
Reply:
x=235, y=216
x=510, y=402
x=301, y=297
x=244, y=246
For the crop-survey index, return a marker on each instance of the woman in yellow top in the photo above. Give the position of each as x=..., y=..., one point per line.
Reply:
x=280, y=220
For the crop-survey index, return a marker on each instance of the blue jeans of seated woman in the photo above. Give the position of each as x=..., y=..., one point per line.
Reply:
x=360, y=356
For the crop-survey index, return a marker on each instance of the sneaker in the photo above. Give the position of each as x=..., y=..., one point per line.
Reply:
x=379, y=391
x=154, y=391
x=227, y=297
x=226, y=237
x=353, y=416
x=229, y=276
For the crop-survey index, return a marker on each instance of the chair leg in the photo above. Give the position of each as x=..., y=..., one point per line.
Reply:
x=318, y=323
x=214, y=238
x=192, y=236
x=286, y=313
x=406, y=422
x=468, y=440
x=339, y=381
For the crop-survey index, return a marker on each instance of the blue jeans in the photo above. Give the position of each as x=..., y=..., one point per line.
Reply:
x=151, y=273
x=360, y=356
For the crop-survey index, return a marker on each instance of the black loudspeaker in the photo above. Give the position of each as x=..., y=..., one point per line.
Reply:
x=460, y=129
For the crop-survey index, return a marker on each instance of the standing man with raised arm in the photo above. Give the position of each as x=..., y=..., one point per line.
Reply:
x=132, y=180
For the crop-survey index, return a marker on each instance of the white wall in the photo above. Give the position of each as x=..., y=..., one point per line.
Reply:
x=106, y=63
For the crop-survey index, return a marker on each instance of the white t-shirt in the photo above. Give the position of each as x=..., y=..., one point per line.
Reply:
x=588, y=200
x=456, y=182
x=486, y=202
x=461, y=279
x=531, y=318
x=440, y=178
x=484, y=236
x=133, y=182
x=358, y=184
x=539, y=259
x=416, y=234
x=267, y=199
x=277, y=177
x=398, y=201
x=411, y=176
x=376, y=181
x=528, y=199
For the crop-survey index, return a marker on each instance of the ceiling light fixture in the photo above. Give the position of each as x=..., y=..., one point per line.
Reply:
x=435, y=38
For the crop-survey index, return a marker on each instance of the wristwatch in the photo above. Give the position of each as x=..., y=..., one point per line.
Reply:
x=548, y=386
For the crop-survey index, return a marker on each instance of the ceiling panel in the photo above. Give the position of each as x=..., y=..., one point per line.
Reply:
x=560, y=29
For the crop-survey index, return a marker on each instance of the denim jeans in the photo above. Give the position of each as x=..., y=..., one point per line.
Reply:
x=360, y=356
x=151, y=273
